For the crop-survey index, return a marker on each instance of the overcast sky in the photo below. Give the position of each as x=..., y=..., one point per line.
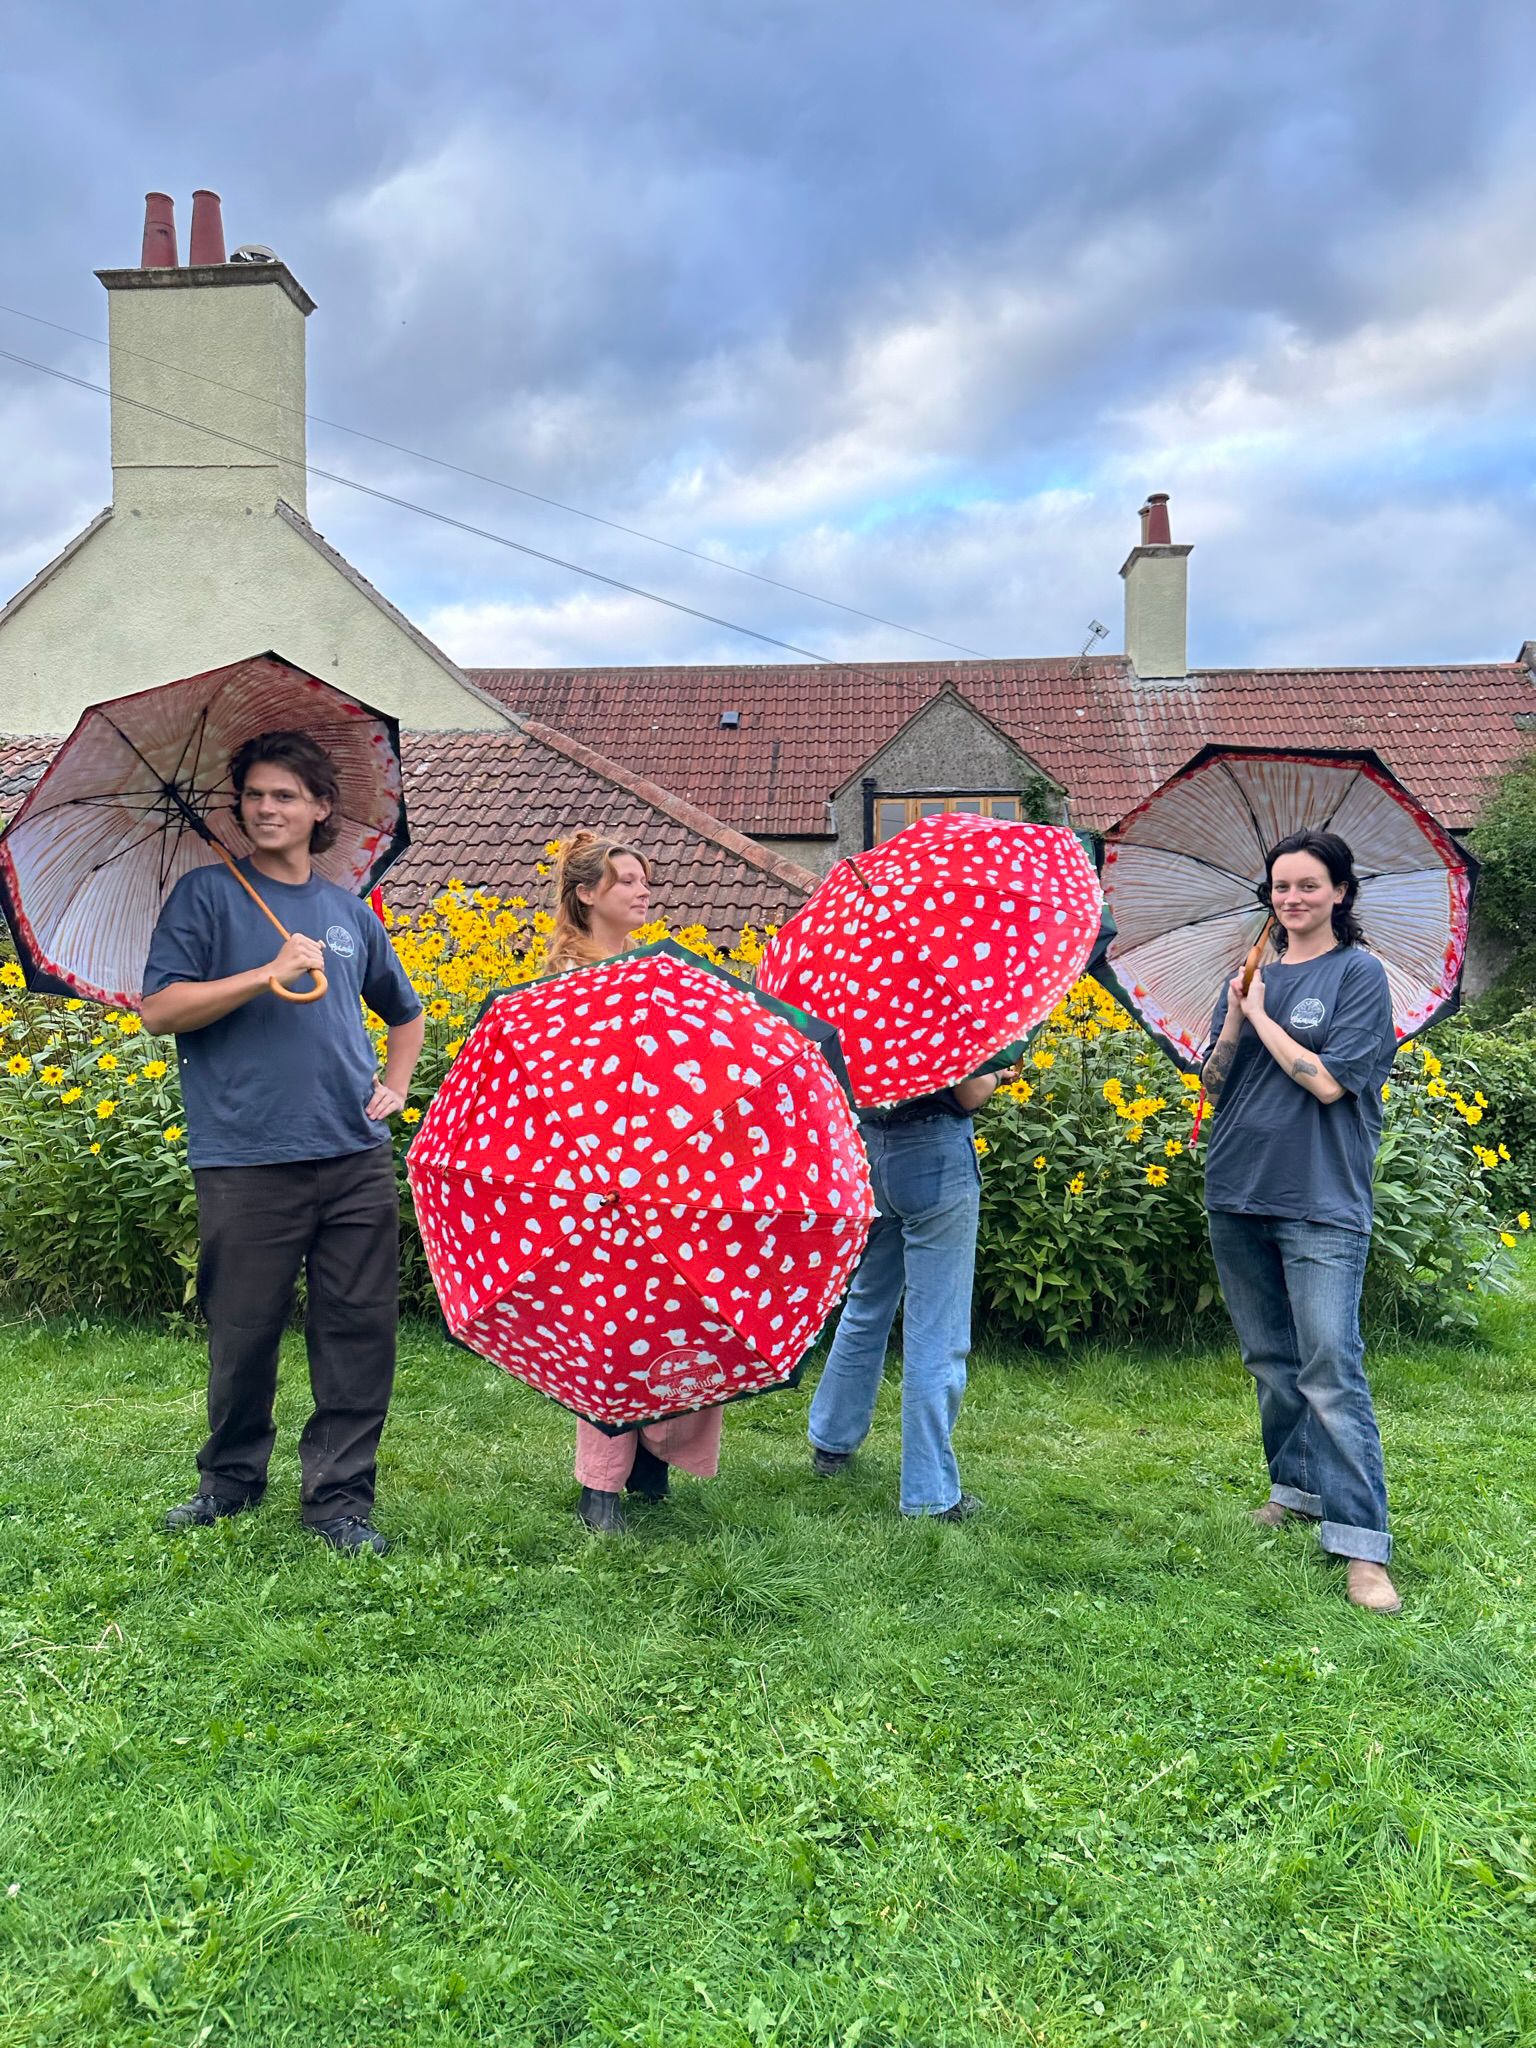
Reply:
x=907, y=304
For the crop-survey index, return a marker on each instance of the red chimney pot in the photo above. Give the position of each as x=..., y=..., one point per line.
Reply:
x=207, y=229
x=1157, y=533
x=159, y=251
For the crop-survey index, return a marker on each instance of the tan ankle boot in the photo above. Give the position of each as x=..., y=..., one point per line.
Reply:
x=1271, y=1516
x=1370, y=1587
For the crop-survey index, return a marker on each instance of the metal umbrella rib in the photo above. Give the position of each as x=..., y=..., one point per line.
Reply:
x=139, y=795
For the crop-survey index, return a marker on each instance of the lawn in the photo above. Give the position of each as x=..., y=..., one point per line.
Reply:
x=1107, y=1765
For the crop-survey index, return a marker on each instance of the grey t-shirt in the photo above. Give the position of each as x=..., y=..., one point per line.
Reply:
x=1275, y=1149
x=275, y=1081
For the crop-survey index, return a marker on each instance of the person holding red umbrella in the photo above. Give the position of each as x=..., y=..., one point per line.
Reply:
x=288, y=1139
x=1299, y=1055
x=927, y=953
x=921, y=1255
x=602, y=898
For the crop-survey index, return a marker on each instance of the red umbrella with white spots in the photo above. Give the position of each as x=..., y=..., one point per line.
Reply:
x=932, y=951
x=639, y=1190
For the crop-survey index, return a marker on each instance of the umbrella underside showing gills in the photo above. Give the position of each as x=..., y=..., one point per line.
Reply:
x=640, y=1191
x=91, y=856
x=933, y=950
x=1182, y=874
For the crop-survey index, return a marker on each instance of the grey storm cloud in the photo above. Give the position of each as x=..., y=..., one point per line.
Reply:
x=907, y=303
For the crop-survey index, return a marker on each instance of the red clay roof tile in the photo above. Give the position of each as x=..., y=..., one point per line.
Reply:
x=23, y=757
x=1092, y=725
x=483, y=805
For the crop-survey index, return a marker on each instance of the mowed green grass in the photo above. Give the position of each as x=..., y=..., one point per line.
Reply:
x=1105, y=1766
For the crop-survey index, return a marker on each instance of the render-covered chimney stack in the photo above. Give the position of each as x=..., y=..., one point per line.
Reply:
x=207, y=372
x=1156, y=576
x=159, y=250
x=207, y=229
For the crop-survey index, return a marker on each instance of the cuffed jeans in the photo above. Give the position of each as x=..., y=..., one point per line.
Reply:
x=257, y=1225
x=1293, y=1292
x=927, y=1186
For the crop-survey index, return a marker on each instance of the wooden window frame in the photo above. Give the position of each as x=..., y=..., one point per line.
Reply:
x=914, y=802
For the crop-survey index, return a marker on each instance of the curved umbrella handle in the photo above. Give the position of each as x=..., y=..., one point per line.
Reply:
x=1251, y=964
x=289, y=995
x=298, y=995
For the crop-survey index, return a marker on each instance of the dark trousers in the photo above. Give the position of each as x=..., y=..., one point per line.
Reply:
x=257, y=1225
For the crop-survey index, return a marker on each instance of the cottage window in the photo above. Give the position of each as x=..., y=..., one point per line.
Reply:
x=894, y=813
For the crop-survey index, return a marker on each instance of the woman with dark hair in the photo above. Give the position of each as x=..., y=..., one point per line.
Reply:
x=1295, y=1073
x=602, y=898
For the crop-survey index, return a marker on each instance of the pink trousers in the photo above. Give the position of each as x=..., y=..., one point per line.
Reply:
x=691, y=1442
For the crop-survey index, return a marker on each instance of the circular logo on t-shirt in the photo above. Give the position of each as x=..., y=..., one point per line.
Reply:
x=1308, y=1011
x=341, y=941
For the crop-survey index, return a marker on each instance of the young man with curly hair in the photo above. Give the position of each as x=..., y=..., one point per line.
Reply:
x=288, y=1138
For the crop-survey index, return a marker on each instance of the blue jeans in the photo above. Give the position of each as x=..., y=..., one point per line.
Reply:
x=1293, y=1292
x=927, y=1183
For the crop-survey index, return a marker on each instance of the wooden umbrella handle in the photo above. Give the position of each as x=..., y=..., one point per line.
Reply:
x=289, y=995
x=300, y=995
x=1255, y=952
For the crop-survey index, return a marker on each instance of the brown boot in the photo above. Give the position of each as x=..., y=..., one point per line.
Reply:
x=1370, y=1588
x=1271, y=1516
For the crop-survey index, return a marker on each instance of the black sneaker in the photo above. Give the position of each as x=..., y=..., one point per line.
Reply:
x=962, y=1511
x=648, y=1477
x=204, y=1509
x=601, y=1512
x=351, y=1533
x=827, y=1464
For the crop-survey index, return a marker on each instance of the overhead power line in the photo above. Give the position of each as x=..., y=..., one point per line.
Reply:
x=446, y=519
x=498, y=483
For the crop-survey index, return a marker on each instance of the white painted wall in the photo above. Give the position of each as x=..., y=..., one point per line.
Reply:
x=168, y=589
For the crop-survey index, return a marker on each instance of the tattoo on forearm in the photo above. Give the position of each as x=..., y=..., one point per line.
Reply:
x=1300, y=1069
x=1214, y=1072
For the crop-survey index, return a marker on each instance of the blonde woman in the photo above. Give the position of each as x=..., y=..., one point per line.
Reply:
x=602, y=898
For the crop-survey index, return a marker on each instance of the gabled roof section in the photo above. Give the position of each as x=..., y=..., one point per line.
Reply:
x=51, y=569
x=923, y=711
x=483, y=806
x=803, y=730
x=1091, y=725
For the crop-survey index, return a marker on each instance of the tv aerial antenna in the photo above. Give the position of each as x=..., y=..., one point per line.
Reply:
x=1096, y=631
